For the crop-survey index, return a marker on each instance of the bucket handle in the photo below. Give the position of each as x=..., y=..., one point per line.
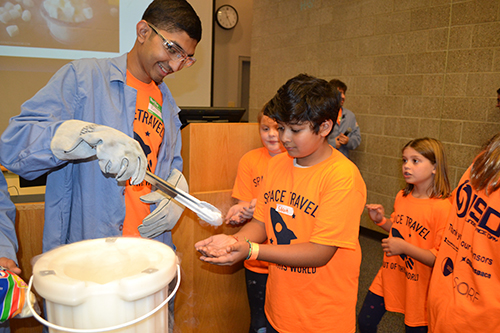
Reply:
x=106, y=329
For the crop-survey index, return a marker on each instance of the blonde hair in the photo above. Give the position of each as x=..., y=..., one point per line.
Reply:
x=432, y=150
x=485, y=171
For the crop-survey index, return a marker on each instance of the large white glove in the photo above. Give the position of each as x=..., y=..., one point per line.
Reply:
x=117, y=152
x=168, y=212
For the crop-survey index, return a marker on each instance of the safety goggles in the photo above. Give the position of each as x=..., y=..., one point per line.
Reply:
x=175, y=52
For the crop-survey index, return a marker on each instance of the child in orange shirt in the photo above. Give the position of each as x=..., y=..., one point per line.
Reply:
x=416, y=227
x=246, y=188
x=463, y=292
x=309, y=210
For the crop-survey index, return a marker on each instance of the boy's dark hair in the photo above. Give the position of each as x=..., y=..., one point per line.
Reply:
x=498, y=91
x=339, y=85
x=174, y=16
x=304, y=98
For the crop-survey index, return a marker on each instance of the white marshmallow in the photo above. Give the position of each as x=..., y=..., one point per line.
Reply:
x=26, y=16
x=14, y=14
x=88, y=12
x=69, y=12
x=51, y=9
x=8, y=5
x=5, y=17
x=28, y=3
x=12, y=30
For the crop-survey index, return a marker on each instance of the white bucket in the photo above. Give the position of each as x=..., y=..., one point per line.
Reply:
x=109, y=284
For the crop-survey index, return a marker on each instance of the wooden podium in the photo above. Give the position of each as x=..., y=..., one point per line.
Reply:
x=211, y=298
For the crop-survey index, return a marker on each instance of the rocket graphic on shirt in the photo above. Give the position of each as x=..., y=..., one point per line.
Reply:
x=408, y=261
x=145, y=148
x=281, y=231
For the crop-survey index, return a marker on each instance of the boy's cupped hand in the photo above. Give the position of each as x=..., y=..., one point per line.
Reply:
x=222, y=249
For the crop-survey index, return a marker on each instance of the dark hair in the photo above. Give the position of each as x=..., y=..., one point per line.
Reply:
x=304, y=98
x=498, y=91
x=339, y=85
x=432, y=150
x=485, y=171
x=173, y=16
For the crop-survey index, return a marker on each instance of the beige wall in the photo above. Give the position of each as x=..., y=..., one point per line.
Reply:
x=413, y=68
x=229, y=46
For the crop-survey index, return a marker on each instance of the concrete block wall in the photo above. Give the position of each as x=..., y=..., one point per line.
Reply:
x=413, y=68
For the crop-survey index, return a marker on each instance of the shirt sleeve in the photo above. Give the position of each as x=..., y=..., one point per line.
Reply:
x=342, y=203
x=242, y=189
x=8, y=239
x=355, y=135
x=177, y=162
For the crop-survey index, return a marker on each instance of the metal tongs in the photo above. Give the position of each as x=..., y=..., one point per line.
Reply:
x=204, y=210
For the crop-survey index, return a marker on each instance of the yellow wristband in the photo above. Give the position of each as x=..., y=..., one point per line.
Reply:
x=381, y=223
x=255, y=252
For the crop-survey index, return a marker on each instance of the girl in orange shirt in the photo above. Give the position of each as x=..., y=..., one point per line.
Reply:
x=463, y=292
x=415, y=232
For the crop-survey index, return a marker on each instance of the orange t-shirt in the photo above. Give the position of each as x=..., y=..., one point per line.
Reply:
x=321, y=204
x=148, y=130
x=251, y=169
x=402, y=280
x=463, y=292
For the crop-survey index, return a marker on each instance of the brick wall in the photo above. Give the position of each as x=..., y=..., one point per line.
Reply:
x=413, y=68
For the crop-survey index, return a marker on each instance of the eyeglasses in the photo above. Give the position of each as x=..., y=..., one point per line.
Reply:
x=175, y=52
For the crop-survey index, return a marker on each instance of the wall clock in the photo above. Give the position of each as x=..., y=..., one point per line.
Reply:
x=226, y=16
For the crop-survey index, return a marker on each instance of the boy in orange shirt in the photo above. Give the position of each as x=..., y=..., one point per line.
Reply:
x=309, y=211
x=246, y=188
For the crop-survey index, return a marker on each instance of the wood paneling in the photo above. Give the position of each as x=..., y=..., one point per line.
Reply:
x=211, y=152
x=29, y=229
x=211, y=298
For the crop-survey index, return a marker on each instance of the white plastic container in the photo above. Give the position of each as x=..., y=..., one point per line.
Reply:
x=103, y=283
